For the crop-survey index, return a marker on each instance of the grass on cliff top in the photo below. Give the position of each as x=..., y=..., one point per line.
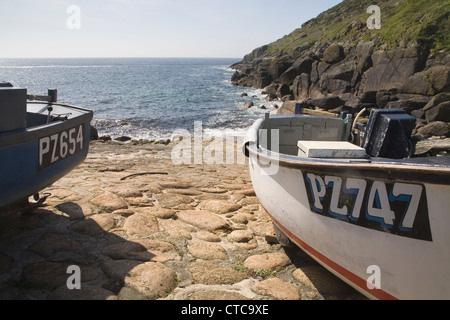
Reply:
x=424, y=21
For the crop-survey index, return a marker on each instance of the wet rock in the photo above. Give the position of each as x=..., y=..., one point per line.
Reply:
x=123, y=139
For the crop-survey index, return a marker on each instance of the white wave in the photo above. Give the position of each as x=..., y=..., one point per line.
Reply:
x=54, y=66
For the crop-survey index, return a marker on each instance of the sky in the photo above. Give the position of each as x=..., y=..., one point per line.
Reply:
x=148, y=28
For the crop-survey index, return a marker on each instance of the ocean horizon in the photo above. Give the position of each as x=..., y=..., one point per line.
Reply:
x=144, y=98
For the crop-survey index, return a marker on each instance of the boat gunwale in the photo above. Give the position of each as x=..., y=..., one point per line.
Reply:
x=11, y=138
x=436, y=174
x=378, y=168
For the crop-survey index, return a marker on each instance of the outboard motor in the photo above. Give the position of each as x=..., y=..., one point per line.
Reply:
x=388, y=134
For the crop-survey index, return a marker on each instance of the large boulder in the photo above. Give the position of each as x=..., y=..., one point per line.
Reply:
x=437, y=128
x=429, y=82
x=408, y=102
x=390, y=69
x=334, y=54
x=438, y=109
x=302, y=65
x=301, y=85
x=278, y=66
x=327, y=103
x=441, y=112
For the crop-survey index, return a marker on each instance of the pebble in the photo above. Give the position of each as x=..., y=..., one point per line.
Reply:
x=219, y=206
x=194, y=232
x=203, y=220
x=109, y=202
x=268, y=261
x=141, y=225
x=207, y=251
x=277, y=289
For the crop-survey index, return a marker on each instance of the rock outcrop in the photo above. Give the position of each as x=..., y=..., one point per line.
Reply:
x=350, y=72
x=347, y=77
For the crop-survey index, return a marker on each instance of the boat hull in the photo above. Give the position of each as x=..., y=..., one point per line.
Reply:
x=380, y=225
x=381, y=262
x=33, y=159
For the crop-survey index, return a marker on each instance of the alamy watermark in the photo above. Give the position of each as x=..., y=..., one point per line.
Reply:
x=73, y=22
x=374, y=21
x=223, y=148
x=199, y=148
x=374, y=280
x=74, y=280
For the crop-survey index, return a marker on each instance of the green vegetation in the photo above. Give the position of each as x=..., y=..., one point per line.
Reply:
x=425, y=22
x=264, y=273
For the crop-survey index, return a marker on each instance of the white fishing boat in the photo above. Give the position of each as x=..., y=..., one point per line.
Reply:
x=373, y=215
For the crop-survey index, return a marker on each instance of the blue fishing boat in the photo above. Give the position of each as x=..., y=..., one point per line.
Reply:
x=40, y=142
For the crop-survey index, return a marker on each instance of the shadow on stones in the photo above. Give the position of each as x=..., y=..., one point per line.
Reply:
x=37, y=248
x=317, y=278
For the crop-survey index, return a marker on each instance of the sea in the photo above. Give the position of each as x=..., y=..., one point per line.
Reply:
x=145, y=98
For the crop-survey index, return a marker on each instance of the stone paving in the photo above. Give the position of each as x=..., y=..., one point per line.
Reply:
x=139, y=227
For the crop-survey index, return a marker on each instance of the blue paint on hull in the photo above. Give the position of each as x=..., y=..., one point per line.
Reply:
x=20, y=176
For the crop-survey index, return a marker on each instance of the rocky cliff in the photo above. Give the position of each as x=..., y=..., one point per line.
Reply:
x=338, y=62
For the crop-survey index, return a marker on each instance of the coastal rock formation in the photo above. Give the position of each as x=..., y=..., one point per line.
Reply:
x=328, y=66
x=345, y=77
